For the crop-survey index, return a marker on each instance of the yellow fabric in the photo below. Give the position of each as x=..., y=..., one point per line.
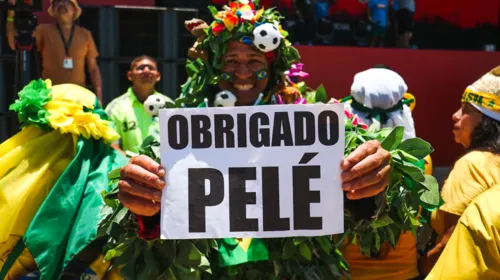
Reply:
x=411, y=96
x=27, y=174
x=67, y=114
x=23, y=265
x=400, y=263
x=483, y=99
x=473, y=174
x=473, y=251
x=72, y=93
x=428, y=165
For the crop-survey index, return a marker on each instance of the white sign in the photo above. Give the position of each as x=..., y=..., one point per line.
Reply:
x=257, y=171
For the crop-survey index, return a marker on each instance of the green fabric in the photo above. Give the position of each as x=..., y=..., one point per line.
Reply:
x=11, y=259
x=30, y=105
x=232, y=253
x=67, y=220
x=382, y=115
x=130, y=120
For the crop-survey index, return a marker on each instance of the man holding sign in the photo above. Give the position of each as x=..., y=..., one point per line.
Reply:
x=249, y=171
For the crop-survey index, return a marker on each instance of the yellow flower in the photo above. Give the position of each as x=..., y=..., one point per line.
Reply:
x=68, y=117
x=258, y=15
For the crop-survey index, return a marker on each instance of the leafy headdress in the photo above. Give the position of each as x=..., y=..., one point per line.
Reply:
x=244, y=21
x=141, y=254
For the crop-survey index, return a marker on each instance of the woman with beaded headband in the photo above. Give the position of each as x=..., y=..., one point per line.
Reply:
x=240, y=59
x=477, y=129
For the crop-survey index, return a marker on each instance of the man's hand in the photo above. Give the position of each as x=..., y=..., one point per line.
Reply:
x=366, y=171
x=141, y=186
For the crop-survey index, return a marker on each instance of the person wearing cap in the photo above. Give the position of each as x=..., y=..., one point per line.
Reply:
x=378, y=99
x=65, y=48
x=477, y=129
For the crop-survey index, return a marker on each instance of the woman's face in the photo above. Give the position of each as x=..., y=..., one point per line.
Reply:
x=465, y=119
x=243, y=62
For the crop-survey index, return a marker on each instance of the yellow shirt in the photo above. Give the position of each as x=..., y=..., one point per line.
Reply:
x=473, y=251
x=399, y=264
x=473, y=174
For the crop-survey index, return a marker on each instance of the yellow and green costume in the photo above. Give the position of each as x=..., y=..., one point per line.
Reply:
x=52, y=174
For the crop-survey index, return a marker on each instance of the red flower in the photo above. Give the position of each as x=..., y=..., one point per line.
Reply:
x=217, y=28
x=147, y=233
x=270, y=57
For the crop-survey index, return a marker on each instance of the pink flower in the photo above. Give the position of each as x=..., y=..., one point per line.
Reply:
x=357, y=122
x=348, y=114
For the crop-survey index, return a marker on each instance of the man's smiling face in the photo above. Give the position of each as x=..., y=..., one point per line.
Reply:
x=244, y=62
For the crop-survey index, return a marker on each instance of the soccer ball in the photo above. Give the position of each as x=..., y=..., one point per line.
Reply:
x=266, y=37
x=153, y=104
x=225, y=99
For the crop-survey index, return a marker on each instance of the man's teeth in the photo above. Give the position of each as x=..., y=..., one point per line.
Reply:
x=243, y=87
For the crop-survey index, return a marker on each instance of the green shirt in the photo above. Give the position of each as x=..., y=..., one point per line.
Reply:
x=130, y=120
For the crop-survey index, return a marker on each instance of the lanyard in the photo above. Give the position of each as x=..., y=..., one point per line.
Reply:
x=67, y=45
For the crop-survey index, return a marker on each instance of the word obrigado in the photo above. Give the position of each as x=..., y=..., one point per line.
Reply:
x=254, y=130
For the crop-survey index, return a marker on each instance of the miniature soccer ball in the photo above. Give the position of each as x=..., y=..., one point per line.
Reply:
x=153, y=104
x=225, y=99
x=266, y=37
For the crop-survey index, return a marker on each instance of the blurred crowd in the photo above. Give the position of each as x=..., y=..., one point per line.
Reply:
x=383, y=19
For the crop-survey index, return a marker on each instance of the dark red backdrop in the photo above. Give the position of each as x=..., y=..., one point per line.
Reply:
x=436, y=78
x=464, y=13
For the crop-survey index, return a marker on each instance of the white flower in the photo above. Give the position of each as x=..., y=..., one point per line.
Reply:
x=244, y=2
x=247, y=15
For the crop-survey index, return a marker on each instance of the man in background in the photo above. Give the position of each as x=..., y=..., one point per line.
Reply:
x=405, y=9
x=65, y=48
x=127, y=111
x=378, y=14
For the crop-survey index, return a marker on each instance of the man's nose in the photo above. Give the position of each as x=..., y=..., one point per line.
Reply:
x=243, y=72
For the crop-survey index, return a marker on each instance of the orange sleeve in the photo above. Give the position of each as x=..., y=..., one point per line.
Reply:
x=92, y=49
x=38, y=34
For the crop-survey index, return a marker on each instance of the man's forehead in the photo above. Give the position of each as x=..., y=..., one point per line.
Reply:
x=144, y=62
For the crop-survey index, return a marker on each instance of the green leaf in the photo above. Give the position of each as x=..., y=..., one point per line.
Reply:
x=299, y=240
x=321, y=95
x=416, y=147
x=324, y=243
x=365, y=243
x=188, y=254
x=391, y=236
x=114, y=174
x=382, y=221
x=288, y=249
x=377, y=240
x=151, y=264
x=393, y=139
x=406, y=156
x=305, y=251
x=277, y=268
x=191, y=69
x=120, y=215
x=311, y=97
x=213, y=10
x=431, y=195
x=411, y=171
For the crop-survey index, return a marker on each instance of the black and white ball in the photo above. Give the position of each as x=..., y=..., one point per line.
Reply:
x=225, y=99
x=267, y=37
x=153, y=104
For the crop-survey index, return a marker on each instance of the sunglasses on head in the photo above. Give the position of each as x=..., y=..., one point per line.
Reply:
x=143, y=67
